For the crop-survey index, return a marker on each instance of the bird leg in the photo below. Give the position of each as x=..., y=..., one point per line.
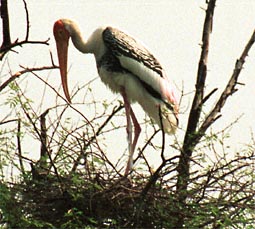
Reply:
x=137, y=129
x=129, y=124
x=129, y=132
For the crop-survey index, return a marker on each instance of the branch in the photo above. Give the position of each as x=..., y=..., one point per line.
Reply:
x=27, y=19
x=5, y=22
x=154, y=177
x=230, y=88
x=77, y=161
x=7, y=45
x=4, y=50
x=209, y=95
x=25, y=70
x=144, y=147
x=38, y=132
x=42, y=160
x=198, y=100
x=190, y=138
x=19, y=148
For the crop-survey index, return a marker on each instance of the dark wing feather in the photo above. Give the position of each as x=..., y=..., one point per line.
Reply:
x=122, y=44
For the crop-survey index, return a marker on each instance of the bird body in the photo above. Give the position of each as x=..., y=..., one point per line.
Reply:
x=126, y=67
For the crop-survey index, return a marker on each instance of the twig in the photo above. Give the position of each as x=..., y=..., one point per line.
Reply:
x=30, y=119
x=42, y=159
x=209, y=95
x=25, y=70
x=27, y=20
x=230, y=88
x=19, y=148
x=114, y=111
x=144, y=147
x=7, y=45
x=154, y=177
x=8, y=121
x=5, y=49
x=6, y=27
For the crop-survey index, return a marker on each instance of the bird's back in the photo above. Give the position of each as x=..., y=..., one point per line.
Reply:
x=126, y=63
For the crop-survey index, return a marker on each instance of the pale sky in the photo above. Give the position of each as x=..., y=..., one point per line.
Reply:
x=172, y=31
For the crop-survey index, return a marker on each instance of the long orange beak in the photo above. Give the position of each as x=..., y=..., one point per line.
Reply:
x=62, y=39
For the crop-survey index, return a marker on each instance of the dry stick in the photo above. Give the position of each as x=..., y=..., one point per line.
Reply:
x=95, y=133
x=27, y=20
x=71, y=106
x=209, y=95
x=190, y=137
x=6, y=27
x=5, y=49
x=153, y=178
x=199, y=99
x=143, y=149
x=211, y=118
x=8, y=121
x=19, y=148
x=213, y=171
x=230, y=88
x=42, y=160
x=76, y=163
x=7, y=45
x=233, y=207
x=25, y=70
x=41, y=140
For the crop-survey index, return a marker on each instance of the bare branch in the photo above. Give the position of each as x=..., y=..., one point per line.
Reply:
x=42, y=159
x=144, y=147
x=190, y=138
x=230, y=88
x=7, y=45
x=38, y=132
x=209, y=95
x=154, y=177
x=19, y=148
x=5, y=49
x=25, y=70
x=195, y=111
x=8, y=121
x=5, y=22
x=114, y=111
x=27, y=19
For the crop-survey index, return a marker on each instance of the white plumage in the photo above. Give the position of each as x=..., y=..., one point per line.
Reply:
x=126, y=67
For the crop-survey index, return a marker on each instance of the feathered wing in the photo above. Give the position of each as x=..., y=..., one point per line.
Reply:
x=134, y=57
x=122, y=44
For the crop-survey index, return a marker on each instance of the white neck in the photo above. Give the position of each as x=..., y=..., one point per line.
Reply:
x=94, y=44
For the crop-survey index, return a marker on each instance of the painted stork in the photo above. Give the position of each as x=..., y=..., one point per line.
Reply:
x=126, y=67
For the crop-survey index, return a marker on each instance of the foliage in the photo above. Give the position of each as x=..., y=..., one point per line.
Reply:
x=74, y=185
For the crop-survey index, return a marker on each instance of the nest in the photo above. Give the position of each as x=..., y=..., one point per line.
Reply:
x=79, y=201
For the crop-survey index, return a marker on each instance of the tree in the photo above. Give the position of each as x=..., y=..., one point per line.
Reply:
x=74, y=184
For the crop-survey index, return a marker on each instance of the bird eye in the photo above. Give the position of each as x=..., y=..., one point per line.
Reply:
x=61, y=32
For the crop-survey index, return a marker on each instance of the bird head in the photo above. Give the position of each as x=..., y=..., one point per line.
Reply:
x=62, y=36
